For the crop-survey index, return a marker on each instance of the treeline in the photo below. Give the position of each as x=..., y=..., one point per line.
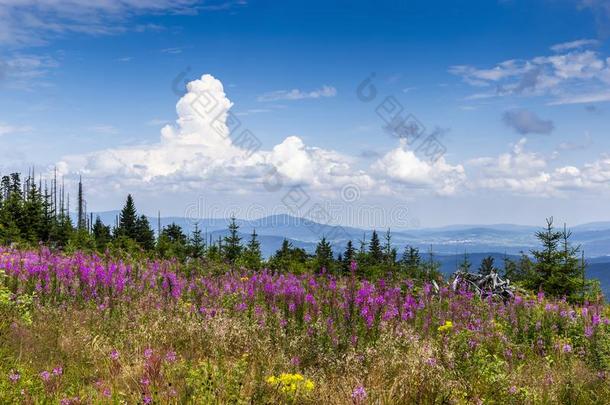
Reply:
x=33, y=213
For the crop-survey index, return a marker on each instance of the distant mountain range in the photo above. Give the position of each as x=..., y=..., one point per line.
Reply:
x=448, y=243
x=450, y=240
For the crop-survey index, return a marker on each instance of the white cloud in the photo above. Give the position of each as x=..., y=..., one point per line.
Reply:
x=7, y=129
x=200, y=152
x=402, y=166
x=296, y=94
x=573, y=75
x=24, y=71
x=580, y=43
x=518, y=171
x=34, y=22
x=524, y=172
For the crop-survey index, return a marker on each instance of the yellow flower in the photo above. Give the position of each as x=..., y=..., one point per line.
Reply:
x=244, y=279
x=447, y=326
x=291, y=384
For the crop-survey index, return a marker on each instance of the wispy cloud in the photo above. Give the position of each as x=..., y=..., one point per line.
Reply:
x=7, y=129
x=35, y=22
x=580, y=43
x=103, y=129
x=574, y=75
x=296, y=94
x=22, y=71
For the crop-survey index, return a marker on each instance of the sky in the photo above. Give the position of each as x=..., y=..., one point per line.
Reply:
x=403, y=114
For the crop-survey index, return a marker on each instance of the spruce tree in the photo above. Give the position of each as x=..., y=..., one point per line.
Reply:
x=101, y=234
x=466, y=264
x=144, y=234
x=252, y=256
x=348, y=256
x=375, y=252
x=487, y=266
x=127, y=220
x=548, y=259
x=197, y=244
x=232, y=247
x=324, y=255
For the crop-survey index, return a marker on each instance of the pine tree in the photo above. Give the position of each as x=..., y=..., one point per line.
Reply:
x=547, y=260
x=127, y=220
x=348, y=256
x=487, y=266
x=324, y=255
x=144, y=234
x=389, y=253
x=375, y=252
x=252, y=256
x=232, y=247
x=197, y=244
x=411, y=262
x=466, y=264
x=101, y=234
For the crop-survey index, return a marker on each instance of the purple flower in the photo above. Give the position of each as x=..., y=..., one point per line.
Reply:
x=512, y=390
x=58, y=371
x=567, y=348
x=170, y=357
x=148, y=353
x=147, y=399
x=114, y=354
x=14, y=376
x=588, y=331
x=144, y=381
x=45, y=375
x=359, y=394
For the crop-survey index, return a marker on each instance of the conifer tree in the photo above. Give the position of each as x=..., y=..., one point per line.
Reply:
x=466, y=264
x=252, y=256
x=375, y=252
x=101, y=234
x=127, y=220
x=197, y=244
x=144, y=234
x=548, y=259
x=232, y=247
x=348, y=256
x=324, y=255
x=487, y=266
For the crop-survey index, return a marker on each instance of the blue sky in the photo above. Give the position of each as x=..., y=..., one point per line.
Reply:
x=516, y=92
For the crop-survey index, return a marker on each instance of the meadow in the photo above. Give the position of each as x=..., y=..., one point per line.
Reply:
x=86, y=328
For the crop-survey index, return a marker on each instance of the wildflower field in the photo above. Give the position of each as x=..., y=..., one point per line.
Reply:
x=86, y=328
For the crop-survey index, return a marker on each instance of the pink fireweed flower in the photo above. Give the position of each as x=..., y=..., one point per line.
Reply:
x=58, y=371
x=588, y=331
x=114, y=354
x=14, y=376
x=353, y=266
x=144, y=381
x=359, y=394
x=148, y=353
x=170, y=357
x=147, y=399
